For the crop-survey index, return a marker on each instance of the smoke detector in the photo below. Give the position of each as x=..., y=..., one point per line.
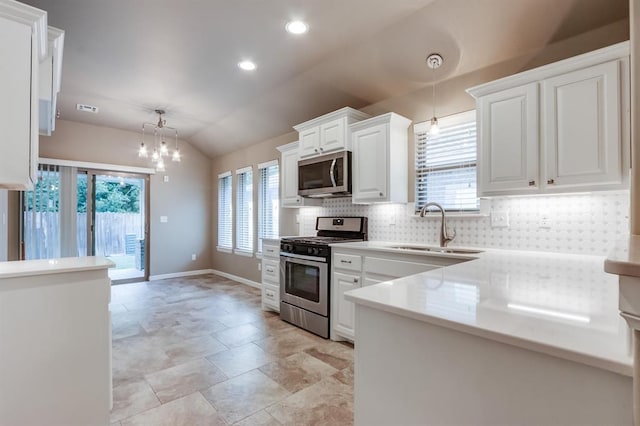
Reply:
x=87, y=108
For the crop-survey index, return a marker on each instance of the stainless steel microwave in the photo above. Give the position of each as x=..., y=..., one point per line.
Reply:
x=325, y=176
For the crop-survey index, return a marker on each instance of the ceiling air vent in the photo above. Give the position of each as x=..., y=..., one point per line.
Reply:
x=87, y=108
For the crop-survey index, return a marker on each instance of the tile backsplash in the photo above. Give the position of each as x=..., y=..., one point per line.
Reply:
x=588, y=223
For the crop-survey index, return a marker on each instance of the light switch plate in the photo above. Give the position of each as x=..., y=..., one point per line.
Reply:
x=164, y=219
x=166, y=178
x=499, y=218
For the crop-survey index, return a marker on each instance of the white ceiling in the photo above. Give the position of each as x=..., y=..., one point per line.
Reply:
x=129, y=57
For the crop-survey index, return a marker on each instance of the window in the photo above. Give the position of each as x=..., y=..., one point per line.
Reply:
x=225, y=211
x=244, y=212
x=268, y=202
x=446, y=164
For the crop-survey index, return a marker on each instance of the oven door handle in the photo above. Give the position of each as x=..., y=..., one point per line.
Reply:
x=303, y=257
x=332, y=172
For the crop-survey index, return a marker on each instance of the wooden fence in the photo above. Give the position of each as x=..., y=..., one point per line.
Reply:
x=42, y=239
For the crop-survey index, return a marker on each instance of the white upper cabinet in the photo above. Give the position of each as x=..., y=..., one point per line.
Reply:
x=289, y=178
x=508, y=129
x=581, y=116
x=328, y=133
x=380, y=169
x=23, y=44
x=563, y=127
x=50, y=81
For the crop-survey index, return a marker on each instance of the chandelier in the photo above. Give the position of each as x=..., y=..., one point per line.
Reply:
x=160, y=146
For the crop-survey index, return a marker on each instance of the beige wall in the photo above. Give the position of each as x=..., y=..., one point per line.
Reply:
x=451, y=98
x=185, y=199
x=247, y=267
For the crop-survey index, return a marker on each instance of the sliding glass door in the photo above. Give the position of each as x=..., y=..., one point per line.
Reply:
x=83, y=212
x=117, y=222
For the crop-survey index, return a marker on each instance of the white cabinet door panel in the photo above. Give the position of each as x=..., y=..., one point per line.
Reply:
x=582, y=127
x=508, y=145
x=310, y=142
x=332, y=136
x=344, y=320
x=290, y=197
x=370, y=166
x=16, y=142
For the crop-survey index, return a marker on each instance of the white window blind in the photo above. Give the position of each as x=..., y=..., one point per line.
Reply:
x=446, y=164
x=225, y=211
x=244, y=212
x=268, y=202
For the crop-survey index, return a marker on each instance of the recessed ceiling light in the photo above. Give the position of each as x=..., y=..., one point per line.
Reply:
x=297, y=27
x=247, y=65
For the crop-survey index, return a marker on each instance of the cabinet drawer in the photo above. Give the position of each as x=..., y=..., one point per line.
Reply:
x=347, y=261
x=270, y=250
x=395, y=268
x=270, y=295
x=271, y=270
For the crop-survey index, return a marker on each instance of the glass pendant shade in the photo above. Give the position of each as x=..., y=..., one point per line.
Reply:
x=155, y=156
x=164, y=151
x=142, y=152
x=160, y=165
x=434, y=129
x=176, y=156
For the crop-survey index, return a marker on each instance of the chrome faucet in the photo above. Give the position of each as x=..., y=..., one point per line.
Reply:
x=445, y=238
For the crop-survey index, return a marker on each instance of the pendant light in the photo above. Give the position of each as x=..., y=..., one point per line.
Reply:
x=160, y=146
x=434, y=61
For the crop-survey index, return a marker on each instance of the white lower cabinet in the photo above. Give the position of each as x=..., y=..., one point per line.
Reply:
x=271, y=275
x=354, y=268
x=344, y=320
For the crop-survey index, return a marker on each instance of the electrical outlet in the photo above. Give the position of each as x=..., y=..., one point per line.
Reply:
x=392, y=219
x=164, y=219
x=499, y=219
x=259, y=266
x=194, y=257
x=166, y=178
x=544, y=220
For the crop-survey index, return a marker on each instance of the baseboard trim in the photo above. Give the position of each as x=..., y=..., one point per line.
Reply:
x=180, y=274
x=237, y=278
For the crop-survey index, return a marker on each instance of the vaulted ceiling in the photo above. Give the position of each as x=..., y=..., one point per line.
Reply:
x=131, y=57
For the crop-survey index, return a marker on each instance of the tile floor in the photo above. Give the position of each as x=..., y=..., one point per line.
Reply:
x=200, y=351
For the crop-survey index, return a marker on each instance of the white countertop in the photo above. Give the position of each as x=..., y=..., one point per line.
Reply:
x=559, y=304
x=25, y=268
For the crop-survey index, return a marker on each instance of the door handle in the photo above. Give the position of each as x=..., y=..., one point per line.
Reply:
x=332, y=172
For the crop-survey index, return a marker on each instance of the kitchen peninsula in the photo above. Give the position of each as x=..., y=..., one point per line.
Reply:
x=509, y=337
x=55, y=342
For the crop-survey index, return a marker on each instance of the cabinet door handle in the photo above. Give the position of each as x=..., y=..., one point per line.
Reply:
x=321, y=149
x=297, y=200
x=550, y=182
x=315, y=150
x=344, y=261
x=355, y=280
x=381, y=194
x=532, y=183
x=271, y=270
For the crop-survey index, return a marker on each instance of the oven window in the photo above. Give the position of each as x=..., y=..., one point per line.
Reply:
x=303, y=281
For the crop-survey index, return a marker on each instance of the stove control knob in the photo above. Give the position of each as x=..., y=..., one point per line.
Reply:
x=316, y=250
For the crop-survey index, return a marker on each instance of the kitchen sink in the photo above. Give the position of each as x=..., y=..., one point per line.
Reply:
x=437, y=249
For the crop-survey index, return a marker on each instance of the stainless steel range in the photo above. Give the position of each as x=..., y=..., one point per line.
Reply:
x=305, y=266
